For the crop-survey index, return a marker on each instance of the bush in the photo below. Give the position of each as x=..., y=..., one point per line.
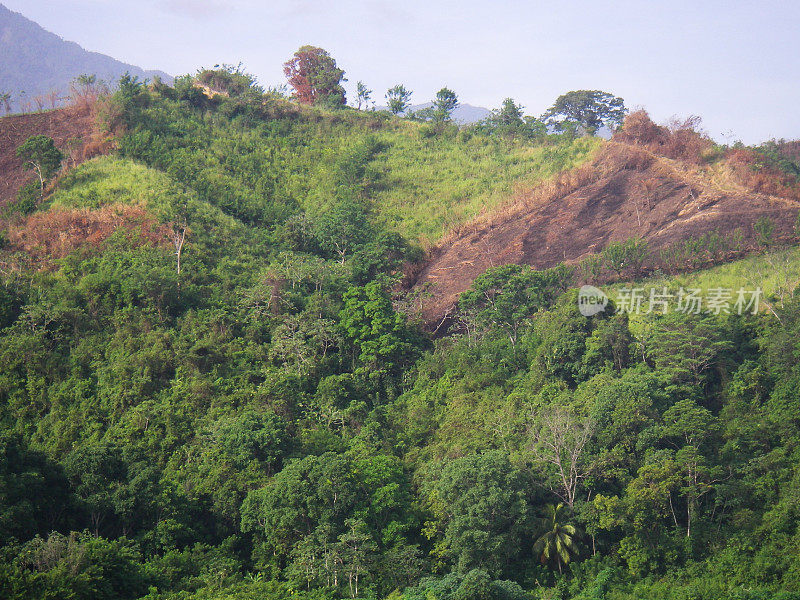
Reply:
x=628, y=255
x=681, y=140
x=764, y=229
x=26, y=201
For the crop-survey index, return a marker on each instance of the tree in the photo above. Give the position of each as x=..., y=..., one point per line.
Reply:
x=559, y=439
x=558, y=542
x=382, y=341
x=34, y=493
x=399, y=98
x=343, y=229
x=85, y=90
x=619, y=256
x=253, y=436
x=444, y=104
x=504, y=297
x=77, y=566
x=309, y=493
x=362, y=94
x=177, y=235
x=98, y=475
x=481, y=502
x=330, y=515
x=586, y=109
x=643, y=511
x=5, y=100
x=313, y=74
x=509, y=115
x=357, y=552
x=764, y=229
x=40, y=155
x=85, y=81
x=684, y=347
x=509, y=122
x=688, y=425
x=230, y=80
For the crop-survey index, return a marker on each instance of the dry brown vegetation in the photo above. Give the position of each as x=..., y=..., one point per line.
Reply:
x=69, y=129
x=683, y=140
x=680, y=139
x=664, y=184
x=46, y=236
x=750, y=169
x=77, y=130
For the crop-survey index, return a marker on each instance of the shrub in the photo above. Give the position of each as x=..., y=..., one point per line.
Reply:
x=630, y=254
x=27, y=199
x=764, y=229
x=679, y=139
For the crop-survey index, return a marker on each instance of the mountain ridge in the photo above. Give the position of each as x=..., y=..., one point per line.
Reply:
x=37, y=61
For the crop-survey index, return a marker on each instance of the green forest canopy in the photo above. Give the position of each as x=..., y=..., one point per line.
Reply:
x=269, y=423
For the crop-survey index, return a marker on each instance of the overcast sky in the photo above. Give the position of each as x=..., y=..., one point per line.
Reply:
x=736, y=64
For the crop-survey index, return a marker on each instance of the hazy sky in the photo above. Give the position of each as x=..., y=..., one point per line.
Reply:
x=736, y=64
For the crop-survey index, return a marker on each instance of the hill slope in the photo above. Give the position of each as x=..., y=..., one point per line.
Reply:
x=208, y=389
x=36, y=61
x=626, y=191
x=69, y=129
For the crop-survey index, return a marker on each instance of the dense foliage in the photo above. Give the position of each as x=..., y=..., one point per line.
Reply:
x=265, y=418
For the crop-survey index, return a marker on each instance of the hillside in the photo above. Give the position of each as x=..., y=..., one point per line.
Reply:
x=214, y=386
x=70, y=129
x=627, y=191
x=38, y=62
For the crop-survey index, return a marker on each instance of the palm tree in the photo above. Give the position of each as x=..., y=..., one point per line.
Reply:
x=558, y=541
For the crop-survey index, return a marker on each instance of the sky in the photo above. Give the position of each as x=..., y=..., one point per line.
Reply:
x=734, y=63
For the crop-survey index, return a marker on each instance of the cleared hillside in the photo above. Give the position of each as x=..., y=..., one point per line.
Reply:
x=628, y=190
x=70, y=130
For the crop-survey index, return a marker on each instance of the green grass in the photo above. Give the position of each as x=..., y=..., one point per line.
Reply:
x=425, y=186
x=109, y=180
x=776, y=273
x=772, y=272
x=433, y=185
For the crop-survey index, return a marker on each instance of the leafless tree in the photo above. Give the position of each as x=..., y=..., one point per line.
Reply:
x=559, y=440
x=178, y=237
x=5, y=101
x=53, y=99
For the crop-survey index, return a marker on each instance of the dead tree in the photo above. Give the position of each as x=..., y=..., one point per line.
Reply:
x=559, y=440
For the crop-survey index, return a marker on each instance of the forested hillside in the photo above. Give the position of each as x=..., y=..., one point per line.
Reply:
x=214, y=383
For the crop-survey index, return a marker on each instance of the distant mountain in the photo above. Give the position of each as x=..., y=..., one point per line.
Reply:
x=36, y=62
x=464, y=114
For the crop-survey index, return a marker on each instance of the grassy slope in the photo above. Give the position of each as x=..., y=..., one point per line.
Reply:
x=777, y=273
x=110, y=179
x=423, y=185
x=429, y=184
x=772, y=272
x=433, y=185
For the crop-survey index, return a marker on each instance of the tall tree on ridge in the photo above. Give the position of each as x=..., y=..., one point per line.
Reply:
x=444, y=104
x=313, y=74
x=363, y=94
x=399, y=98
x=588, y=110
